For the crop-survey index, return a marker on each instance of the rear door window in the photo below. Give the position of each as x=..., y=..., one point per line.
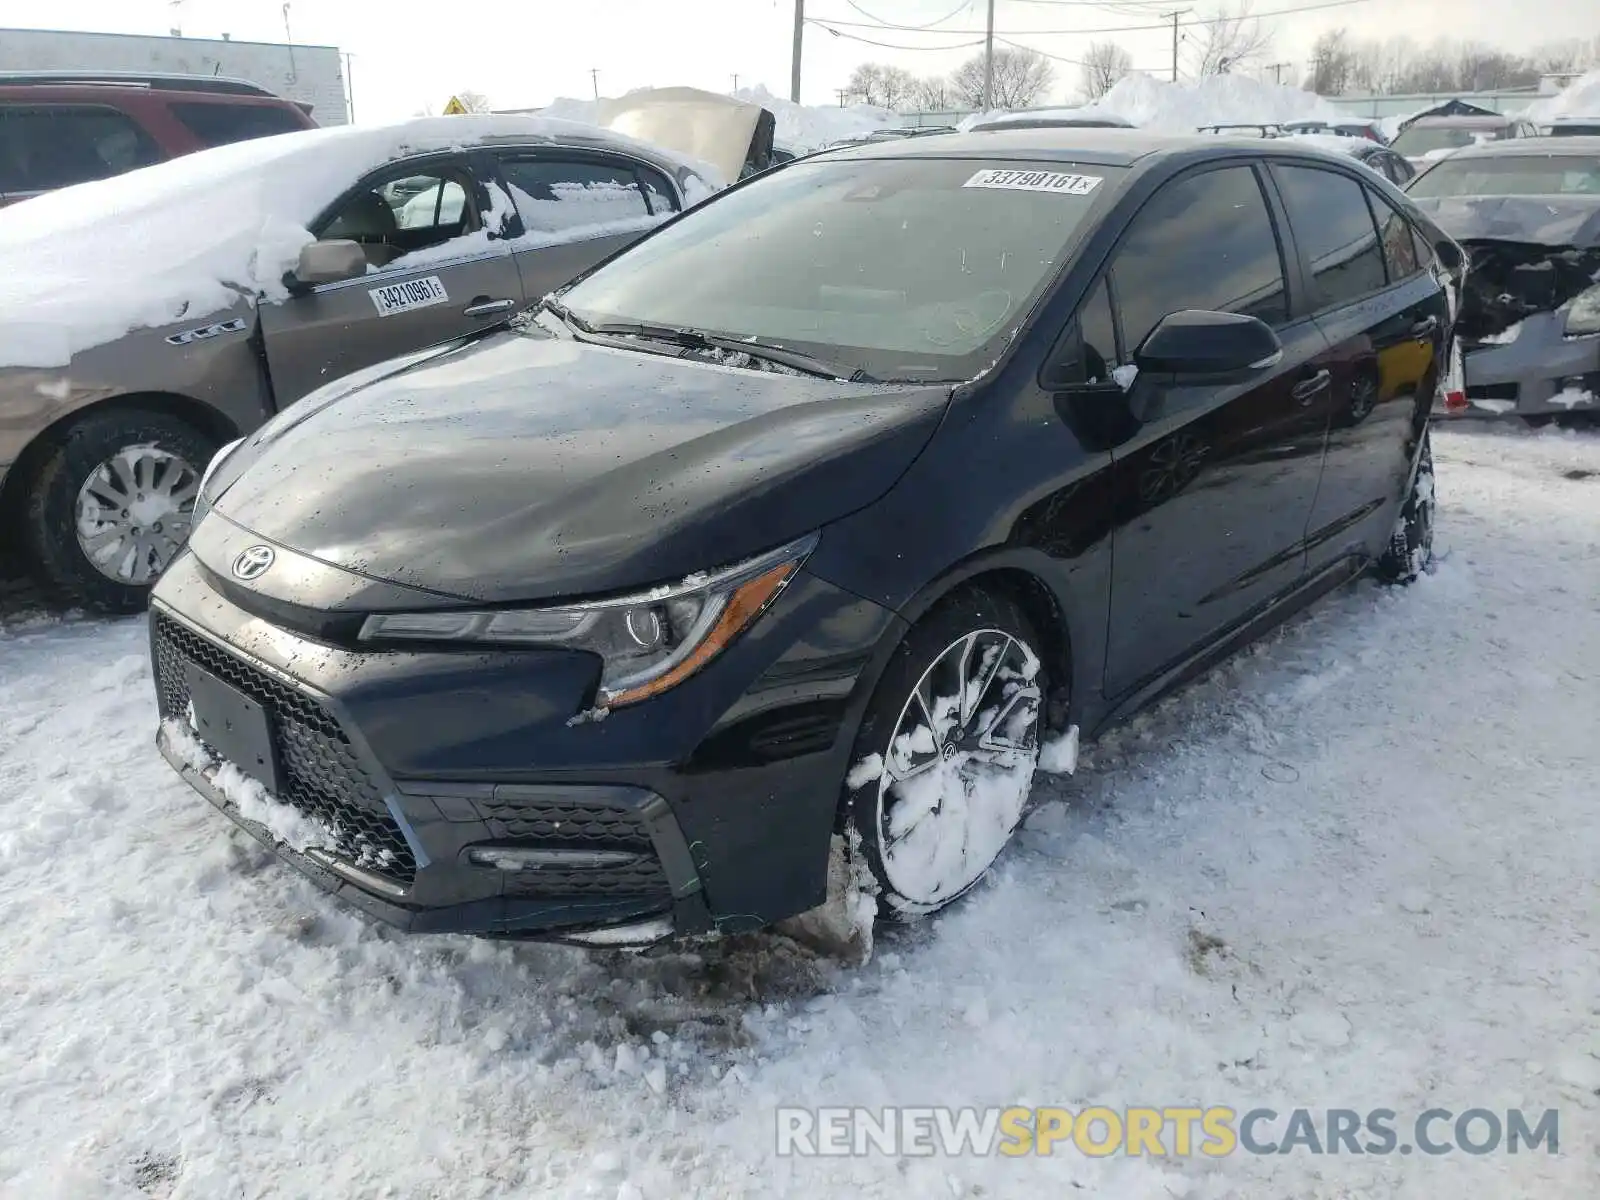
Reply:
x=1205, y=241
x=1334, y=227
x=566, y=197
x=218, y=124
x=51, y=146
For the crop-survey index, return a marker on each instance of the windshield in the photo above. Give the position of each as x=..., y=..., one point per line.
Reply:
x=1514, y=175
x=1420, y=140
x=906, y=269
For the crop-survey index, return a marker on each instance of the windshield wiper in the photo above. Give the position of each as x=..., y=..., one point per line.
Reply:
x=695, y=339
x=565, y=315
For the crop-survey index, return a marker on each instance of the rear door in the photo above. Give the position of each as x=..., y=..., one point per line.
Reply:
x=438, y=267
x=1385, y=319
x=576, y=207
x=1214, y=487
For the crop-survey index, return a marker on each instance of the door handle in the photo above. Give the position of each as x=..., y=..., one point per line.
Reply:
x=484, y=307
x=1306, y=390
x=1425, y=328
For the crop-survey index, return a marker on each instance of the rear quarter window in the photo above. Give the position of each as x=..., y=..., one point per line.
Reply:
x=220, y=123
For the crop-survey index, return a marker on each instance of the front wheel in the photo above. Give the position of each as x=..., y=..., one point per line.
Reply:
x=111, y=507
x=945, y=759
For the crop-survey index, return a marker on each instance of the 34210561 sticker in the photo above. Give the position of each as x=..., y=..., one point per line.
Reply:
x=403, y=297
x=1061, y=182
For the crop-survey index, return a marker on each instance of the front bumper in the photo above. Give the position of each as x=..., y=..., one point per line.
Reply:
x=712, y=807
x=1539, y=372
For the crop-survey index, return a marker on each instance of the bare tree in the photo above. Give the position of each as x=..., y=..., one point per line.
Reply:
x=473, y=102
x=1103, y=64
x=1332, y=64
x=882, y=85
x=933, y=94
x=1230, y=38
x=1021, y=78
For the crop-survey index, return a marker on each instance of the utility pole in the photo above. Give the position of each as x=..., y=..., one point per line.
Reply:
x=350, y=86
x=988, y=62
x=1277, y=70
x=794, y=62
x=736, y=82
x=594, y=74
x=1173, y=17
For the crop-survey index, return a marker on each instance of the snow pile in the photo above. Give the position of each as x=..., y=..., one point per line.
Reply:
x=799, y=127
x=1580, y=99
x=1215, y=100
x=178, y=241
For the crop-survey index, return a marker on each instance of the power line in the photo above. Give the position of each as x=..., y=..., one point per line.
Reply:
x=829, y=23
x=949, y=16
x=856, y=37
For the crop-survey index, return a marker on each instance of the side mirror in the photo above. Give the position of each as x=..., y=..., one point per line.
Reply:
x=329, y=262
x=1195, y=342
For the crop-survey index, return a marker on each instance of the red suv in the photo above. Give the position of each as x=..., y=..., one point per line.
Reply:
x=62, y=128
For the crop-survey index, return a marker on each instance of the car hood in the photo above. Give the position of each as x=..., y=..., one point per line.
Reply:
x=521, y=466
x=1539, y=220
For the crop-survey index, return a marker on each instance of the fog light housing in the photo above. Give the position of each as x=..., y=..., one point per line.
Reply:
x=520, y=858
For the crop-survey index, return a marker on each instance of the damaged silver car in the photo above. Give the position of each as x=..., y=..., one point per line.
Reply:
x=1527, y=213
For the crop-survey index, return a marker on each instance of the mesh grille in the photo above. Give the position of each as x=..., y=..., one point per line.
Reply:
x=321, y=777
x=570, y=825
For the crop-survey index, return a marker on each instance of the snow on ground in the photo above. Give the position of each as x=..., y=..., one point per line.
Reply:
x=75, y=266
x=1581, y=98
x=1353, y=867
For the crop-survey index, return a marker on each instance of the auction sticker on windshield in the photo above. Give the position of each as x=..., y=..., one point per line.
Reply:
x=403, y=297
x=1035, y=181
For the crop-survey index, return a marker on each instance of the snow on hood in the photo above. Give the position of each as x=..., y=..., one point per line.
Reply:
x=84, y=265
x=1541, y=220
x=799, y=127
x=1215, y=100
x=1580, y=99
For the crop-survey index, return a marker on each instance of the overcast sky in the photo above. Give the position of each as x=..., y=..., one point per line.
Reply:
x=411, y=53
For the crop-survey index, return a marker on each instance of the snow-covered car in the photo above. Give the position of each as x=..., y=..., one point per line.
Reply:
x=1393, y=167
x=148, y=319
x=1053, y=118
x=1574, y=127
x=800, y=534
x=1527, y=212
x=1367, y=130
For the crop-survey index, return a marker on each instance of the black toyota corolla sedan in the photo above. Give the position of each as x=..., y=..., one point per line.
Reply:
x=803, y=524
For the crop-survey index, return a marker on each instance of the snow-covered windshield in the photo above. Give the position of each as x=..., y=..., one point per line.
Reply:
x=1513, y=175
x=902, y=268
x=1423, y=139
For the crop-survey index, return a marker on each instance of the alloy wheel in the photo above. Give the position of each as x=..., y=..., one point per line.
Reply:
x=134, y=511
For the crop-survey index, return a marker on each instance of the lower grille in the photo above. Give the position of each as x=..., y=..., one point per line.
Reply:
x=322, y=778
x=575, y=825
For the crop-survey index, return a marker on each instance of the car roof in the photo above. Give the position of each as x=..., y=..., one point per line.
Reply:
x=1541, y=147
x=148, y=81
x=1102, y=147
x=1473, y=122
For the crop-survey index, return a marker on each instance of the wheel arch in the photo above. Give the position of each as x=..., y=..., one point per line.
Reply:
x=1021, y=575
x=211, y=421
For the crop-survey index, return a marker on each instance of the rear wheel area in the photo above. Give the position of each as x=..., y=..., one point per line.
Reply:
x=1410, y=549
x=111, y=506
x=945, y=758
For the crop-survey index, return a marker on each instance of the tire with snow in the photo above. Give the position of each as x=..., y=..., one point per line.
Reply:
x=111, y=506
x=1411, y=544
x=945, y=757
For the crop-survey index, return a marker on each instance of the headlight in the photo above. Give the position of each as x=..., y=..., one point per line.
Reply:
x=1583, y=317
x=648, y=642
x=202, y=499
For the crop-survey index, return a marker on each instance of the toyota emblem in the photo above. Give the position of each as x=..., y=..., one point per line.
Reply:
x=253, y=562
